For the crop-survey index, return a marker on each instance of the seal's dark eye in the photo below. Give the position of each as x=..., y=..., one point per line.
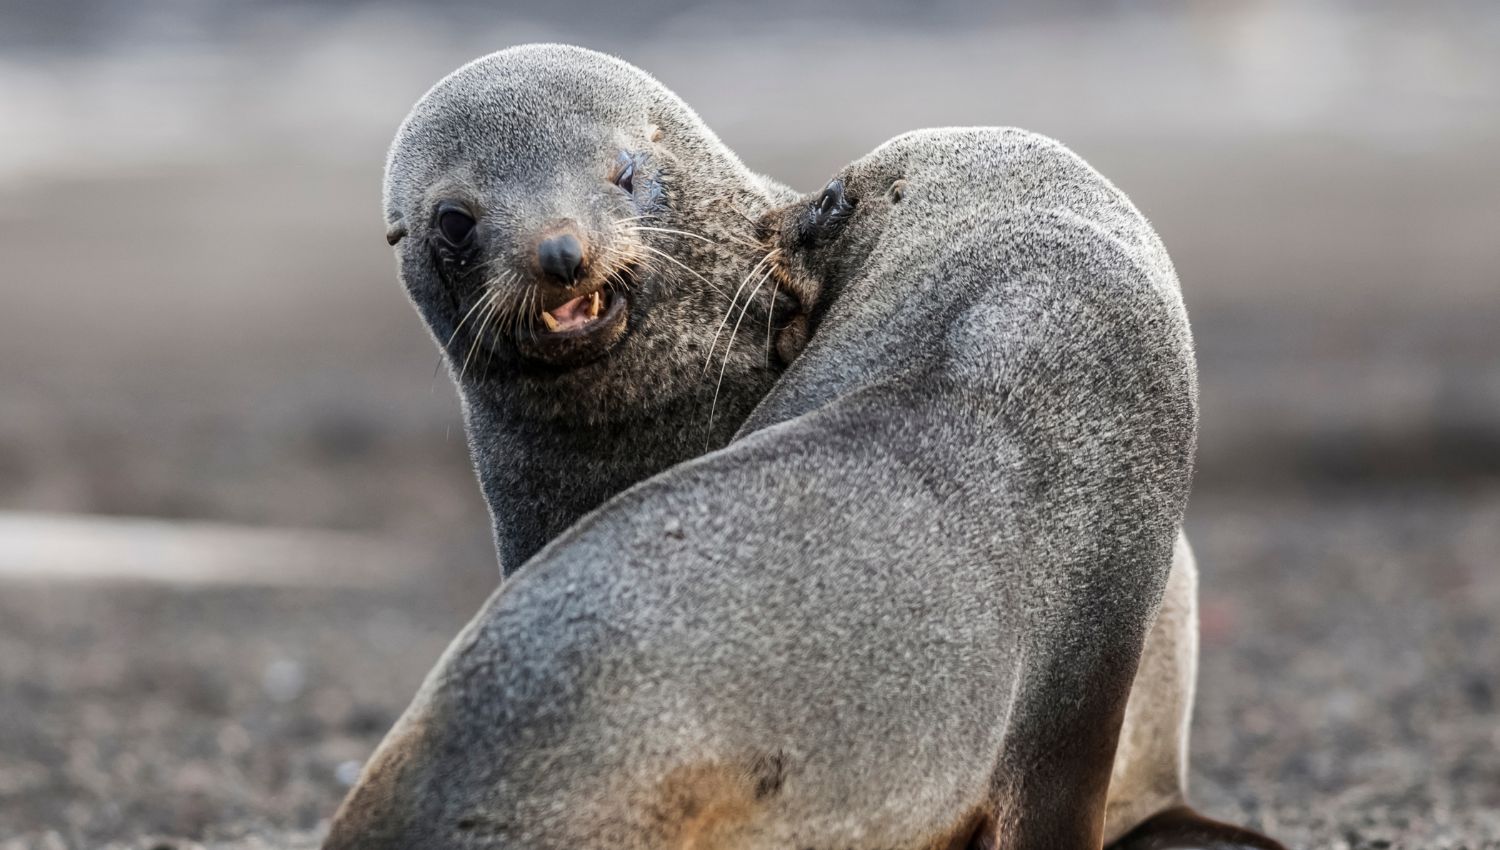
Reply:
x=455, y=225
x=625, y=177
x=826, y=215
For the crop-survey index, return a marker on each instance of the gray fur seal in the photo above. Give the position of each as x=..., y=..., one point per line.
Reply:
x=1147, y=798
x=905, y=607
x=571, y=233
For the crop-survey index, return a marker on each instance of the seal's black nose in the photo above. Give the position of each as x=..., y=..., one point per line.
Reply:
x=560, y=256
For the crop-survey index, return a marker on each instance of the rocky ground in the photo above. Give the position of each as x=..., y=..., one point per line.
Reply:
x=1350, y=692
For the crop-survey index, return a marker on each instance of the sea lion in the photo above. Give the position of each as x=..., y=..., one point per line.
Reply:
x=903, y=609
x=575, y=238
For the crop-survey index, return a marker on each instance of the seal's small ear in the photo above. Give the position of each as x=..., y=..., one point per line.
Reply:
x=653, y=132
x=897, y=191
x=395, y=232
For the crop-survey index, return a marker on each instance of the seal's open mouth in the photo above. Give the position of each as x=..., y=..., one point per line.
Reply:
x=581, y=328
x=580, y=315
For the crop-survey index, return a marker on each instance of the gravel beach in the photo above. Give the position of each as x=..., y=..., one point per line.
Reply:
x=1349, y=693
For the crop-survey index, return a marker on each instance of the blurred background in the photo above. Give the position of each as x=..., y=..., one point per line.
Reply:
x=237, y=519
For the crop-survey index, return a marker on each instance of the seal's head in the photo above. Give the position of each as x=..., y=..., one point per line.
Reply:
x=916, y=195
x=816, y=243
x=566, y=225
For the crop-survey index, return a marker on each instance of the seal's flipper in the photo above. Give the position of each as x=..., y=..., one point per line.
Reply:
x=1182, y=828
x=1057, y=772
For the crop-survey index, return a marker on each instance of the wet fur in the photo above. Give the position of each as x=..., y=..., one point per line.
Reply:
x=919, y=581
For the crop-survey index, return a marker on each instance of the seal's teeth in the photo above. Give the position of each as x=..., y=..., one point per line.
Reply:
x=547, y=320
x=594, y=305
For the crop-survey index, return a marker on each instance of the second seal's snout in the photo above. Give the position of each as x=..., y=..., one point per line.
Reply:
x=560, y=257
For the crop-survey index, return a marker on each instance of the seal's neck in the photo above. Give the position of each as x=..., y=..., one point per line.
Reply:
x=539, y=476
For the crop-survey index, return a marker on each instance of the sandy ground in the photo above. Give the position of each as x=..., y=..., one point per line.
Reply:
x=200, y=323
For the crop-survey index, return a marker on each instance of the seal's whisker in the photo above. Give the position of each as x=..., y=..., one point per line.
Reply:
x=523, y=310
x=689, y=234
x=728, y=350
x=730, y=237
x=644, y=258
x=510, y=316
x=754, y=270
x=491, y=263
x=617, y=280
x=460, y=324
x=671, y=259
x=733, y=302
x=497, y=318
x=489, y=313
x=484, y=316
x=473, y=341
x=517, y=309
x=526, y=316
x=739, y=212
x=498, y=285
x=653, y=256
x=502, y=315
x=621, y=258
x=448, y=344
x=771, y=314
x=535, y=317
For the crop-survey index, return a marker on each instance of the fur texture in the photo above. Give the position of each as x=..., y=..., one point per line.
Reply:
x=1150, y=768
x=905, y=607
x=527, y=141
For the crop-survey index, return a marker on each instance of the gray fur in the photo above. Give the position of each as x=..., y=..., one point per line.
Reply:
x=529, y=136
x=1150, y=770
x=904, y=608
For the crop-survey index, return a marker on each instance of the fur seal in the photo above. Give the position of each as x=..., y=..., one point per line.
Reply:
x=904, y=609
x=1147, y=799
x=572, y=234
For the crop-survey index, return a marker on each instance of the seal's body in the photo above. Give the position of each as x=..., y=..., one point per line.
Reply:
x=904, y=609
x=572, y=233
x=1147, y=798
